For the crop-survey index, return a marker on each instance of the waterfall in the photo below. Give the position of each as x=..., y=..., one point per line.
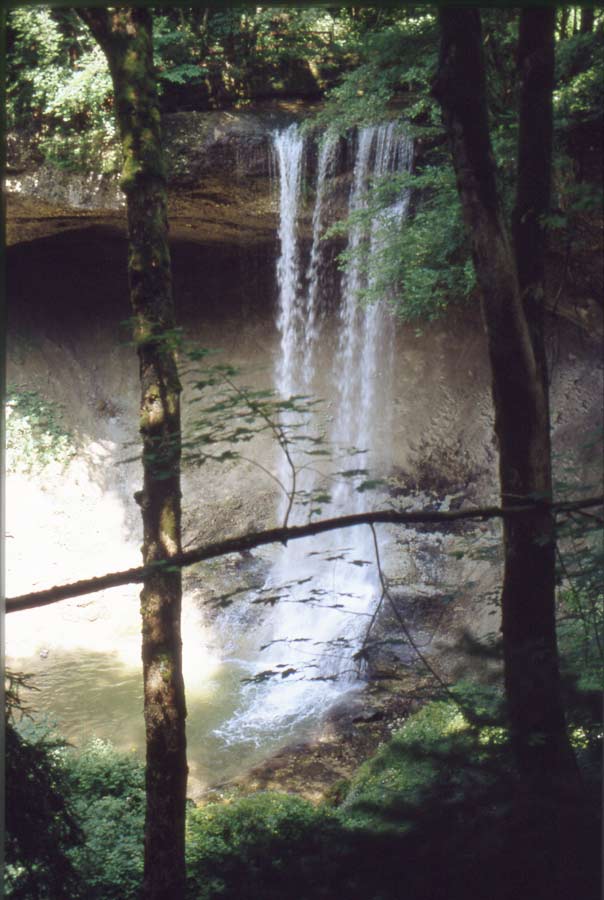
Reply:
x=311, y=334
x=366, y=338
x=289, y=149
x=351, y=338
x=326, y=587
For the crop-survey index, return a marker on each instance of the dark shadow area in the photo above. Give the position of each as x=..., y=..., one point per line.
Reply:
x=75, y=280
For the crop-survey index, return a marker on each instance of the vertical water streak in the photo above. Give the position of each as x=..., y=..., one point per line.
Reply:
x=311, y=333
x=366, y=340
x=289, y=151
x=351, y=340
x=289, y=147
x=394, y=153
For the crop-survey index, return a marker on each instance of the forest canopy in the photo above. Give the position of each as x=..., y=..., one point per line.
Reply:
x=364, y=65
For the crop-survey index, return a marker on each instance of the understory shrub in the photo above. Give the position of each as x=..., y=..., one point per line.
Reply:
x=267, y=845
x=41, y=827
x=435, y=813
x=440, y=809
x=108, y=789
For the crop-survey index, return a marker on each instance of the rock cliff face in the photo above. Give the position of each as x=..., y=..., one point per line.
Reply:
x=67, y=289
x=230, y=146
x=220, y=168
x=67, y=252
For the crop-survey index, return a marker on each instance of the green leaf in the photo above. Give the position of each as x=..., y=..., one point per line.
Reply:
x=370, y=485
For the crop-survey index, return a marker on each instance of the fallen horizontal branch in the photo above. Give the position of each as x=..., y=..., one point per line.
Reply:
x=279, y=535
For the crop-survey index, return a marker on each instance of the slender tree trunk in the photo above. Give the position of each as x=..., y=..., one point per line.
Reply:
x=587, y=19
x=530, y=632
x=519, y=385
x=125, y=36
x=535, y=65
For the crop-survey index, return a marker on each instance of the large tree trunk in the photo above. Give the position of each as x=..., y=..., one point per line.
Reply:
x=549, y=850
x=512, y=313
x=125, y=36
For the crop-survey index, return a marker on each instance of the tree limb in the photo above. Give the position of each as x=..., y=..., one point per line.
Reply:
x=403, y=625
x=280, y=535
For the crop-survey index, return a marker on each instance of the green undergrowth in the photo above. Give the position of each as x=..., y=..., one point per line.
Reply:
x=108, y=789
x=265, y=845
x=75, y=821
x=433, y=809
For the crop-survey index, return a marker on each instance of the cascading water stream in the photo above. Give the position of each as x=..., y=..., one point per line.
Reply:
x=351, y=337
x=289, y=149
x=326, y=587
x=327, y=156
x=366, y=345
x=363, y=379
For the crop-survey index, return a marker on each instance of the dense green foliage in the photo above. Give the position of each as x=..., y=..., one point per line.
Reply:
x=266, y=845
x=437, y=808
x=425, y=265
x=581, y=619
x=370, y=64
x=230, y=56
x=108, y=790
x=59, y=89
x=581, y=638
x=41, y=825
x=579, y=97
x=405, y=769
x=395, y=64
x=74, y=820
x=421, y=266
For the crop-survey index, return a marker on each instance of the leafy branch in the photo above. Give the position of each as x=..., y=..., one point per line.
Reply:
x=404, y=628
x=236, y=414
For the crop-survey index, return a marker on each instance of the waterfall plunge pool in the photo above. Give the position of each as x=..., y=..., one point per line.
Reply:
x=84, y=659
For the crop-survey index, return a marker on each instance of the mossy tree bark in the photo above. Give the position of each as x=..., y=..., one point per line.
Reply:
x=125, y=34
x=512, y=292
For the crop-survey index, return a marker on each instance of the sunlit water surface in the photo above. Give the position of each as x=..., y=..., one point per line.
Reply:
x=88, y=676
x=84, y=654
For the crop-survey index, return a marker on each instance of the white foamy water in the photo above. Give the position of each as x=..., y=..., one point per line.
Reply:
x=311, y=331
x=289, y=149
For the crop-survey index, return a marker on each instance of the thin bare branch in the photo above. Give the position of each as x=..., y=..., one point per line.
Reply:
x=403, y=625
x=279, y=433
x=266, y=471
